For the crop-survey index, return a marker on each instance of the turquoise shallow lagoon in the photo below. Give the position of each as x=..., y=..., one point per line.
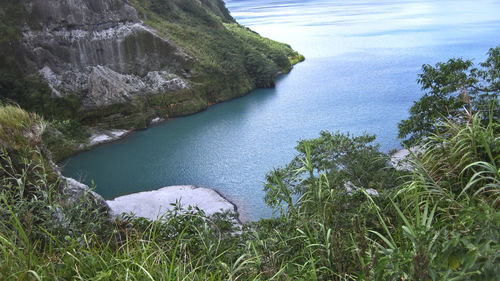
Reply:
x=362, y=61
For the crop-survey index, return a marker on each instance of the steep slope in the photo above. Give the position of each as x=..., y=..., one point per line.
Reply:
x=119, y=63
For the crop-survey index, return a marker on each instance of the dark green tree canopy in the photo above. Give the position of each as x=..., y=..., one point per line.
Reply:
x=453, y=88
x=341, y=158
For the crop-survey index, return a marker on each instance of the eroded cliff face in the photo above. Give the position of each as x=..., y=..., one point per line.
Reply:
x=100, y=50
x=94, y=65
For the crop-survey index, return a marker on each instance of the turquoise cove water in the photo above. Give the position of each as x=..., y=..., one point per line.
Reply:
x=362, y=61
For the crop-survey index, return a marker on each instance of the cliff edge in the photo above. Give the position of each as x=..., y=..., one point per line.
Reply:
x=118, y=64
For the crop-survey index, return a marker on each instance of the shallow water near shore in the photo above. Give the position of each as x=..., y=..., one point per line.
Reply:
x=362, y=61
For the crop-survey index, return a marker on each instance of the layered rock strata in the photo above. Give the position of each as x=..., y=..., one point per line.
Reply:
x=100, y=50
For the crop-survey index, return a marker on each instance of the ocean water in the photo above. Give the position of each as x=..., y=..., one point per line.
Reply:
x=362, y=61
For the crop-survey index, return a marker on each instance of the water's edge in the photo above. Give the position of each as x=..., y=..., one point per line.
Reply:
x=128, y=133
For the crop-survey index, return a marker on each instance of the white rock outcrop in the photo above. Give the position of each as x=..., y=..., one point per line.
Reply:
x=153, y=204
x=351, y=188
x=106, y=136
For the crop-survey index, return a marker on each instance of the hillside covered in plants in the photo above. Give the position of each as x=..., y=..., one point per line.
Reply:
x=343, y=211
x=117, y=64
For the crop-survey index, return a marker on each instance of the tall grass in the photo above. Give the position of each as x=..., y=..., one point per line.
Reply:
x=441, y=223
x=449, y=209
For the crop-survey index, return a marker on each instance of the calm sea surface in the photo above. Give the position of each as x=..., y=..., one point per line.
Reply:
x=362, y=61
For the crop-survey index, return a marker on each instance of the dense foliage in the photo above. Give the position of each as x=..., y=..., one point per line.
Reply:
x=345, y=161
x=345, y=213
x=440, y=221
x=453, y=88
x=224, y=49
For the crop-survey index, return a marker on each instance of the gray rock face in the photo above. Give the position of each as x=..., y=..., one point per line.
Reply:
x=54, y=13
x=100, y=50
x=76, y=192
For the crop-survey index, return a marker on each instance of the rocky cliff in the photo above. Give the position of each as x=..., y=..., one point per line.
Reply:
x=122, y=63
x=100, y=50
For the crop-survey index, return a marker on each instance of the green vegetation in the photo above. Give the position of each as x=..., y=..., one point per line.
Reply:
x=21, y=142
x=346, y=160
x=66, y=131
x=453, y=87
x=281, y=54
x=206, y=31
x=438, y=221
x=11, y=17
x=35, y=95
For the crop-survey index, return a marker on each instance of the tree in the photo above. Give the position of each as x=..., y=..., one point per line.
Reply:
x=453, y=88
x=344, y=160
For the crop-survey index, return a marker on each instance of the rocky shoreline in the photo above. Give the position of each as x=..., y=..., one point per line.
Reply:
x=103, y=136
x=152, y=204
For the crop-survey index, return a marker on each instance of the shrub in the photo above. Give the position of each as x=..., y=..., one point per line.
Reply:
x=453, y=88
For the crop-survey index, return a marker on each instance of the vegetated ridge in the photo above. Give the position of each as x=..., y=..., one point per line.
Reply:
x=117, y=64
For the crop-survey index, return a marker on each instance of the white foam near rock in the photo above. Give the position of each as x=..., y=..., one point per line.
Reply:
x=153, y=204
